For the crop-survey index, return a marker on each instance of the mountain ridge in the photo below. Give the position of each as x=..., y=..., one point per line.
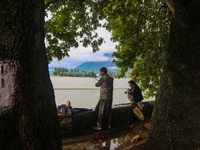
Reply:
x=96, y=65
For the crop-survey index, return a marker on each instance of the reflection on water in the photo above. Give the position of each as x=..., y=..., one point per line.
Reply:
x=109, y=140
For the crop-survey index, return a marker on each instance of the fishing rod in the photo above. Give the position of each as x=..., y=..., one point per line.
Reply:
x=95, y=78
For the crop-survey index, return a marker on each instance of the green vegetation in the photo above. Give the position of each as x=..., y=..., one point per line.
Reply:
x=61, y=71
x=29, y=119
x=114, y=74
x=141, y=28
x=70, y=23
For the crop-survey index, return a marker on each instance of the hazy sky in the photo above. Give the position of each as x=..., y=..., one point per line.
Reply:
x=81, y=54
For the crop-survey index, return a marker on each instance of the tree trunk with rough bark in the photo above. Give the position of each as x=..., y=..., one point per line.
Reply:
x=175, y=120
x=28, y=116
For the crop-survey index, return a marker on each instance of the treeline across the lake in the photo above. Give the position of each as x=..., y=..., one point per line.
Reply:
x=61, y=71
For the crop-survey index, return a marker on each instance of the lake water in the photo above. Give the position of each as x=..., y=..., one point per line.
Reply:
x=83, y=93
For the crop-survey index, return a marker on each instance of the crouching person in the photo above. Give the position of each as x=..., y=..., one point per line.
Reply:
x=134, y=93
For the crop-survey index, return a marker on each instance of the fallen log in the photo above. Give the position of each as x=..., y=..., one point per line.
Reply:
x=121, y=115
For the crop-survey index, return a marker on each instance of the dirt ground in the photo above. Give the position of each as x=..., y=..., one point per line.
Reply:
x=123, y=138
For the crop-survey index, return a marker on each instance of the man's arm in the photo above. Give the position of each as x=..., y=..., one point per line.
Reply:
x=132, y=91
x=99, y=83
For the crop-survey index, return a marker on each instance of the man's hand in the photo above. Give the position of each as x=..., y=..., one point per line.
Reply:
x=129, y=90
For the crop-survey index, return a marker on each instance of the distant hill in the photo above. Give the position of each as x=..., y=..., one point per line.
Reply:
x=94, y=65
x=109, y=55
x=90, y=66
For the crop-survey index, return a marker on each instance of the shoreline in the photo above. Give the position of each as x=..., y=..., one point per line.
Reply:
x=88, y=88
x=85, y=77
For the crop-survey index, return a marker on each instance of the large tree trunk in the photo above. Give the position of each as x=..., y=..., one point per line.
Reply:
x=28, y=116
x=176, y=116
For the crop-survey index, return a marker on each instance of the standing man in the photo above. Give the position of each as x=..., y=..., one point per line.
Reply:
x=104, y=106
x=134, y=94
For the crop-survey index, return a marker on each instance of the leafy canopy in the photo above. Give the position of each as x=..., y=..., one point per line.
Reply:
x=69, y=23
x=141, y=28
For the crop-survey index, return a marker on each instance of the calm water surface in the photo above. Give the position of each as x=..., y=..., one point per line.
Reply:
x=85, y=97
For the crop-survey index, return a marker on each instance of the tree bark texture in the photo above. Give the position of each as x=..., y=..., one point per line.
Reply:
x=28, y=116
x=176, y=115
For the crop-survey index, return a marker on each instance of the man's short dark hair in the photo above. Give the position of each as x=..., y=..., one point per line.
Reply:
x=131, y=82
x=103, y=69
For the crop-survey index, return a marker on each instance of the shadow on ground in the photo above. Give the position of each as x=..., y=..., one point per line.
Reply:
x=115, y=139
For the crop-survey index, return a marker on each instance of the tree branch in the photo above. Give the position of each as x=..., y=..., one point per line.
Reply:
x=49, y=3
x=170, y=5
